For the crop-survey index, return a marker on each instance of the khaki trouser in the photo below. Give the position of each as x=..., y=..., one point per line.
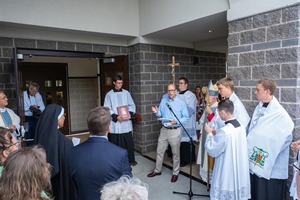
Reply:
x=172, y=137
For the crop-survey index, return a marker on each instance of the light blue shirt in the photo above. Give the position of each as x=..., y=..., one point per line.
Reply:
x=32, y=100
x=178, y=106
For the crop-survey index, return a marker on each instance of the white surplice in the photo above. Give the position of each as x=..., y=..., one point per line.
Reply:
x=293, y=187
x=230, y=178
x=202, y=158
x=268, y=141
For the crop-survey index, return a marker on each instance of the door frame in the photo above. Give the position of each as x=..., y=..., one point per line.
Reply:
x=19, y=54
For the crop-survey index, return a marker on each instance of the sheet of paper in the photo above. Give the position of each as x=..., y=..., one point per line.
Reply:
x=165, y=119
x=76, y=141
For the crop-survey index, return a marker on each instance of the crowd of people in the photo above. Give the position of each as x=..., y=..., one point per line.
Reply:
x=239, y=157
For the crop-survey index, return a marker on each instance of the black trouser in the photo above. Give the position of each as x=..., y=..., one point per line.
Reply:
x=32, y=122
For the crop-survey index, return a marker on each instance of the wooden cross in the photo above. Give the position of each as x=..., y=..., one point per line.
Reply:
x=173, y=64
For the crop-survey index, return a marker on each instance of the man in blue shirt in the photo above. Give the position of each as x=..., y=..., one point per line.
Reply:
x=170, y=132
x=32, y=100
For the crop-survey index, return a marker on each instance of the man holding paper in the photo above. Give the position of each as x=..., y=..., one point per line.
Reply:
x=122, y=107
x=170, y=132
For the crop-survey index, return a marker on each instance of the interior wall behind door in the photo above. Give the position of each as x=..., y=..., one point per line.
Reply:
x=83, y=97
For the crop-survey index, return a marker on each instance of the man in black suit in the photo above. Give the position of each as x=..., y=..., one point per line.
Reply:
x=97, y=161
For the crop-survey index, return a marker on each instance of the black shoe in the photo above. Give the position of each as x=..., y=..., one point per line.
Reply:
x=182, y=164
x=133, y=163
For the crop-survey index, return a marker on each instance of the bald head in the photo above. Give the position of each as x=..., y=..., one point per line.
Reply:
x=171, y=89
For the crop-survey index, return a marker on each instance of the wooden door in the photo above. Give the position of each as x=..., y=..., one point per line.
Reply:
x=109, y=70
x=52, y=78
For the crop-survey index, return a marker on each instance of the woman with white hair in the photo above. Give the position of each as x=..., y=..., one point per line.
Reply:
x=125, y=188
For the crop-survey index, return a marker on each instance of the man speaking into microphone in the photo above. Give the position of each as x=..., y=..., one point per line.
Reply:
x=170, y=132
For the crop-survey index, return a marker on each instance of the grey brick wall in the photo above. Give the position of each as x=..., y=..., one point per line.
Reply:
x=150, y=75
x=83, y=93
x=267, y=45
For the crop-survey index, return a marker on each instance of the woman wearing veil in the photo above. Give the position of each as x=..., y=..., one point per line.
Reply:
x=56, y=146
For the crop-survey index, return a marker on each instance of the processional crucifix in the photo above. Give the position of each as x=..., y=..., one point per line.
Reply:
x=173, y=64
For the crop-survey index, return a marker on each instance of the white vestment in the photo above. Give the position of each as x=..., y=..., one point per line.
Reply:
x=230, y=179
x=268, y=140
x=293, y=187
x=240, y=112
x=190, y=99
x=115, y=99
x=15, y=119
x=202, y=154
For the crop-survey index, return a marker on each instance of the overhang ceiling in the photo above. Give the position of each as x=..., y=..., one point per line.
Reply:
x=194, y=32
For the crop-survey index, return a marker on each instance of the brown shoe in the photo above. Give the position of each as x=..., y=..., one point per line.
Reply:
x=174, y=178
x=152, y=174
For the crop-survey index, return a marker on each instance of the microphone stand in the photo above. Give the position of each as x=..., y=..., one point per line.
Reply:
x=190, y=193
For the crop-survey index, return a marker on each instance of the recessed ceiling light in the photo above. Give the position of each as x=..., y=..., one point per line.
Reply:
x=209, y=31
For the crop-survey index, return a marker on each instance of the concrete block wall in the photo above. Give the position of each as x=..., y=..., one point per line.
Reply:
x=267, y=45
x=150, y=75
x=83, y=93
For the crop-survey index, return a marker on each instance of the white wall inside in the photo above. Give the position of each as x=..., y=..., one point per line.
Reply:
x=156, y=14
x=77, y=67
x=100, y=16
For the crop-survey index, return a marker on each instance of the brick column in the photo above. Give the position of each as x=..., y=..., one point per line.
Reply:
x=267, y=45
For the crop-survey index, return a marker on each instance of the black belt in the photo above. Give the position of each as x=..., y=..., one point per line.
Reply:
x=171, y=127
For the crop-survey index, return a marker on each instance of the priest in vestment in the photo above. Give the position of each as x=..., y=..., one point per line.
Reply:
x=268, y=140
x=8, y=118
x=211, y=117
x=230, y=179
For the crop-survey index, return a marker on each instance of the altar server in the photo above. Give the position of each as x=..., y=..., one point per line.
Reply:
x=228, y=146
x=269, y=137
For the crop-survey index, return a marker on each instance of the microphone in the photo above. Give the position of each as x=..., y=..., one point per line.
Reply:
x=168, y=105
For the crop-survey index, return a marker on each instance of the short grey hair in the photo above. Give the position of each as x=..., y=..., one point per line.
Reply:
x=125, y=188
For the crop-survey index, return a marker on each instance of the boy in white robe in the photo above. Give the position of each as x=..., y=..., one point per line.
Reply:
x=228, y=146
x=121, y=129
x=190, y=99
x=226, y=90
x=268, y=140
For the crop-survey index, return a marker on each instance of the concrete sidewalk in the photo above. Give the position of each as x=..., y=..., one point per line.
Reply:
x=161, y=187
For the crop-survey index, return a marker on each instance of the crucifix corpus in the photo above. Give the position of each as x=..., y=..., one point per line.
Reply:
x=173, y=64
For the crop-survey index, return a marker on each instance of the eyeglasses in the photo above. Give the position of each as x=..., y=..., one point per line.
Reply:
x=171, y=90
x=119, y=82
x=13, y=144
x=296, y=167
x=180, y=83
